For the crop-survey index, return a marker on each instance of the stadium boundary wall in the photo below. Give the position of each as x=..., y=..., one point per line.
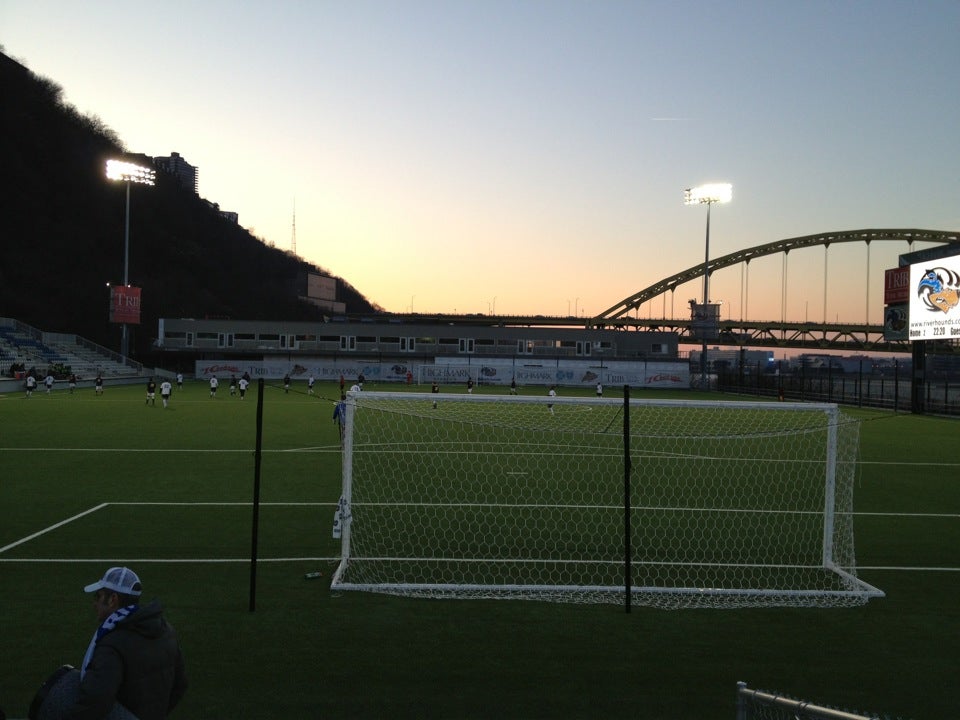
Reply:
x=456, y=371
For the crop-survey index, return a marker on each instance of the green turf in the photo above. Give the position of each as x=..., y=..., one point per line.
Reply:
x=306, y=652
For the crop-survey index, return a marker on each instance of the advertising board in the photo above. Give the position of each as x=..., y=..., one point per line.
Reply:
x=125, y=304
x=935, y=299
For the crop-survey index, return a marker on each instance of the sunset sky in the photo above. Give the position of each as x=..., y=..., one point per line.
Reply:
x=531, y=156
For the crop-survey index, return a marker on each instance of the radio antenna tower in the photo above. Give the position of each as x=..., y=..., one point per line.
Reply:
x=293, y=238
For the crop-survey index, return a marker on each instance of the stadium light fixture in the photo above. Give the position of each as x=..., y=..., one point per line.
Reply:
x=707, y=195
x=128, y=173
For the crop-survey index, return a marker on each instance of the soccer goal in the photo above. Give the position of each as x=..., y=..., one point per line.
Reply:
x=656, y=502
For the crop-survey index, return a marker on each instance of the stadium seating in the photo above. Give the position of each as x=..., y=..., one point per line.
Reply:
x=21, y=344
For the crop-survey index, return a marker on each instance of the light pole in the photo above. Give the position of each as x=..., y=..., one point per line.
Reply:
x=707, y=194
x=128, y=173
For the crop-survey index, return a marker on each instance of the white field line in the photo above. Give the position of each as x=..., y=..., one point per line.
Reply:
x=244, y=503
x=329, y=448
x=333, y=559
x=337, y=449
x=53, y=527
x=169, y=561
x=188, y=504
x=909, y=463
x=905, y=515
x=194, y=561
x=907, y=569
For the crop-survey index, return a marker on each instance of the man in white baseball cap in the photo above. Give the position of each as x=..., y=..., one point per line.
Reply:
x=134, y=657
x=120, y=580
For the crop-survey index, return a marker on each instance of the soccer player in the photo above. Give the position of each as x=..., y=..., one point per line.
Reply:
x=179, y=381
x=73, y=383
x=552, y=394
x=31, y=384
x=151, y=393
x=214, y=383
x=165, y=389
x=233, y=385
x=310, y=385
x=435, y=389
x=243, y=386
x=48, y=381
x=286, y=383
x=469, y=385
x=340, y=414
x=599, y=390
x=98, y=384
x=513, y=386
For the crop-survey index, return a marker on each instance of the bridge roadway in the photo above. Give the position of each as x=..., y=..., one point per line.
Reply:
x=775, y=334
x=733, y=333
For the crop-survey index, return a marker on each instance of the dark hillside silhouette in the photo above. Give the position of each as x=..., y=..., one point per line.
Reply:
x=62, y=233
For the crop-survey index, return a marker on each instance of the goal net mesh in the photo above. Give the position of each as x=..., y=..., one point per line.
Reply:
x=731, y=504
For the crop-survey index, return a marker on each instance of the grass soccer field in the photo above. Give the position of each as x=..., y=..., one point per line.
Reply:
x=87, y=482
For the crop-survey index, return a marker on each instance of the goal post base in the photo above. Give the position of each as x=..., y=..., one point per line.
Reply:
x=673, y=598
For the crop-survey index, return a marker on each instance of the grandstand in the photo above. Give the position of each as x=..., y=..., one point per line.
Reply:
x=24, y=347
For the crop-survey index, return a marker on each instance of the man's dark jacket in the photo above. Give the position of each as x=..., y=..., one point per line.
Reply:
x=138, y=664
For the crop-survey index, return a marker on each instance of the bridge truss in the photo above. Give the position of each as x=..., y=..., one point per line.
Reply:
x=772, y=333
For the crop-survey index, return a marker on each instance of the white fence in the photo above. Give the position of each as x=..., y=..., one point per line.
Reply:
x=456, y=371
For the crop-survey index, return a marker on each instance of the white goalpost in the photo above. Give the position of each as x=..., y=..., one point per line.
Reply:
x=653, y=502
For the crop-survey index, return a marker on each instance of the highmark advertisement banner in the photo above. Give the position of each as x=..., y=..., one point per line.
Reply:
x=456, y=371
x=569, y=373
x=935, y=299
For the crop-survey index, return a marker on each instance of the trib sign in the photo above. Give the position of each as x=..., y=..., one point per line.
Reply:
x=125, y=304
x=896, y=288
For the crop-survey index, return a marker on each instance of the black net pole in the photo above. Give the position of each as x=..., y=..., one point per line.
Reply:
x=627, y=580
x=256, y=498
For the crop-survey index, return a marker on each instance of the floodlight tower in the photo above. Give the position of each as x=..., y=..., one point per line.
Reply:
x=293, y=236
x=128, y=173
x=700, y=195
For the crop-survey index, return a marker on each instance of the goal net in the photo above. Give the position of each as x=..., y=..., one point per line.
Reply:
x=680, y=503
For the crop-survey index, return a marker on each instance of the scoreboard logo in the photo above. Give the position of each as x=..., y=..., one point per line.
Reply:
x=939, y=289
x=935, y=305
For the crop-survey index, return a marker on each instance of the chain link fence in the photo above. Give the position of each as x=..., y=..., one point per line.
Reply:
x=939, y=395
